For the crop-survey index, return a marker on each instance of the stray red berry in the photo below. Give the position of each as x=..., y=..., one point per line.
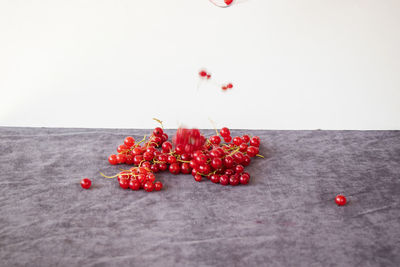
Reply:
x=113, y=159
x=86, y=183
x=158, y=186
x=340, y=200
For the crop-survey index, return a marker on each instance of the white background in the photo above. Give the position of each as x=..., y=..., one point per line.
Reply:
x=311, y=64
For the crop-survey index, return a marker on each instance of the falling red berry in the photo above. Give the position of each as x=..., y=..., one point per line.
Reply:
x=86, y=183
x=229, y=85
x=228, y=2
x=203, y=73
x=340, y=200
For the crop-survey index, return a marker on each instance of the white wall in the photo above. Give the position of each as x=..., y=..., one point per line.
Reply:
x=330, y=64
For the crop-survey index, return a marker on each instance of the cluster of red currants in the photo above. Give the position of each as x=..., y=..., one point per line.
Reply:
x=190, y=152
x=205, y=75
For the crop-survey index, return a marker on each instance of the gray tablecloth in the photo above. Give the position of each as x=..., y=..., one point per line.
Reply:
x=286, y=216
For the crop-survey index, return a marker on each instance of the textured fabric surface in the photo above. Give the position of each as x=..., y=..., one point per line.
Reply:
x=286, y=216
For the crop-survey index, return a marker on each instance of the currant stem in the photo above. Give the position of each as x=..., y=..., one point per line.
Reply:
x=102, y=174
x=160, y=122
x=261, y=156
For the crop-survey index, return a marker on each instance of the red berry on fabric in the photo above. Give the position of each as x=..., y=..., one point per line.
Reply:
x=158, y=132
x=121, y=158
x=340, y=200
x=148, y=156
x=171, y=159
x=129, y=141
x=166, y=147
x=246, y=160
x=185, y=168
x=245, y=138
x=148, y=186
x=243, y=147
x=158, y=186
x=122, y=148
x=239, y=168
x=228, y=162
x=215, y=140
x=234, y=180
x=252, y=151
x=255, y=141
x=129, y=159
x=244, y=178
x=174, y=168
x=225, y=132
x=134, y=185
x=124, y=183
x=113, y=159
x=137, y=159
x=214, y=178
x=224, y=180
x=237, y=140
x=198, y=178
x=86, y=183
x=227, y=139
x=216, y=163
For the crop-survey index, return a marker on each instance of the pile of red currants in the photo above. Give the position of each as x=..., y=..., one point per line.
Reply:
x=219, y=158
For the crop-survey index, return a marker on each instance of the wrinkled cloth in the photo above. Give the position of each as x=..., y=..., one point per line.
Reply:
x=285, y=216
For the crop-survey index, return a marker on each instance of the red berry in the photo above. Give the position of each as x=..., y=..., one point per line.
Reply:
x=113, y=159
x=134, y=185
x=122, y=148
x=215, y=140
x=208, y=76
x=137, y=159
x=86, y=183
x=239, y=168
x=166, y=147
x=203, y=73
x=229, y=172
x=154, y=168
x=197, y=178
x=162, y=166
x=238, y=157
x=216, y=163
x=228, y=2
x=224, y=132
x=234, y=180
x=158, y=186
x=245, y=138
x=129, y=159
x=204, y=169
x=237, y=140
x=229, y=84
x=244, y=178
x=252, y=151
x=246, y=160
x=214, y=178
x=224, y=87
x=124, y=183
x=171, y=159
x=121, y=158
x=243, y=147
x=148, y=156
x=227, y=139
x=129, y=141
x=193, y=164
x=148, y=186
x=201, y=159
x=340, y=200
x=146, y=165
x=158, y=132
x=185, y=168
x=224, y=180
x=174, y=168
x=255, y=141
x=228, y=162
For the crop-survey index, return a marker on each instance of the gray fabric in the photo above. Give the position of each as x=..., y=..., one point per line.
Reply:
x=286, y=216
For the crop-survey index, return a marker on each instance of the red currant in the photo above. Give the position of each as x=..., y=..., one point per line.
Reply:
x=229, y=86
x=244, y=178
x=129, y=159
x=148, y=186
x=197, y=178
x=228, y=162
x=214, y=178
x=227, y=139
x=340, y=200
x=224, y=180
x=228, y=2
x=224, y=132
x=86, y=183
x=121, y=158
x=129, y=141
x=255, y=141
x=252, y=151
x=158, y=186
x=137, y=159
x=203, y=73
x=171, y=159
x=216, y=163
x=122, y=148
x=234, y=180
x=113, y=159
x=148, y=156
x=185, y=168
x=158, y=132
x=162, y=166
x=237, y=140
x=124, y=183
x=239, y=168
x=245, y=138
x=166, y=147
x=134, y=185
x=174, y=168
x=216, y=140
